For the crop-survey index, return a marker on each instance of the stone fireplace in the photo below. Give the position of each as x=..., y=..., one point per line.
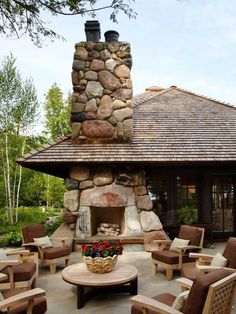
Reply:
x=107, y=199
x=110, y=196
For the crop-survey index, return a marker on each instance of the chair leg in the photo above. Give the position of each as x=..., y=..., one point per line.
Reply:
x=154, y=268
x=169, y=273
x=33, y=285
x=67, y=261
x=53, y=268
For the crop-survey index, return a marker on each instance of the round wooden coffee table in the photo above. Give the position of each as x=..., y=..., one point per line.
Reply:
x=123, y=278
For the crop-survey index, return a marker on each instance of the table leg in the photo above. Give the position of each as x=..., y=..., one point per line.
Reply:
x=134, y=286
x=80, y=297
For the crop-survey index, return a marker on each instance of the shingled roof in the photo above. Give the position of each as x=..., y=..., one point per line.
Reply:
x=170, y=126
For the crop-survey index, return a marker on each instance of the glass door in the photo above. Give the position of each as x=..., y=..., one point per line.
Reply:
x=223, y=204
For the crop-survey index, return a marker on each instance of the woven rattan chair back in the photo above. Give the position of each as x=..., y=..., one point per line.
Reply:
x=220, y=296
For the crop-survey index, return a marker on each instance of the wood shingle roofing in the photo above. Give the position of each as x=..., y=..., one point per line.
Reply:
x=170, y=126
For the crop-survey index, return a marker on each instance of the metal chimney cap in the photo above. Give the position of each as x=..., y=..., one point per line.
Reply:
x=111, y=35
x=92, y=30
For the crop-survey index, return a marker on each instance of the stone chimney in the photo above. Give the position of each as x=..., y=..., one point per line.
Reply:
x=102, y=98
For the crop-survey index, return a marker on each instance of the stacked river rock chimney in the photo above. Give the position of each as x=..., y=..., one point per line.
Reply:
x=102, y=98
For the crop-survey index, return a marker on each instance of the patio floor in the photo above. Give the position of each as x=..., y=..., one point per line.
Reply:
x=61, y=296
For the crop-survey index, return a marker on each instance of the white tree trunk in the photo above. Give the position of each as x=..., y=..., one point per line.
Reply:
x=4, y=173
x=8, y=183
x=14, y=187
x=19, y=181
x=48, y=186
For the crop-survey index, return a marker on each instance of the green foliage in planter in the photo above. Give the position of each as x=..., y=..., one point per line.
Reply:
x=187, y=215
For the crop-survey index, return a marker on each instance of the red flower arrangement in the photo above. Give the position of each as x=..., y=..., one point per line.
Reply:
x=102, y=249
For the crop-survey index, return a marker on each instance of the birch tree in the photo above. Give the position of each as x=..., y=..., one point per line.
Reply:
x=57, y=117
x=57, y=113
x=18, y=106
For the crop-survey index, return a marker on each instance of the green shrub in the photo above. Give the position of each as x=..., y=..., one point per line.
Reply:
x=26, y=216
x=14, y=238
x=3, y=242
x=187, y=215
x=52, y=225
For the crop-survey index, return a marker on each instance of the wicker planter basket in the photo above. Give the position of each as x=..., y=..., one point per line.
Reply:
x=100, y=265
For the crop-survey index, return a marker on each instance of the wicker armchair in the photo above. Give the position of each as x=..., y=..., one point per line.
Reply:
x=17, y=301
x=172, y=260
x=212, y=293
x=47, y=255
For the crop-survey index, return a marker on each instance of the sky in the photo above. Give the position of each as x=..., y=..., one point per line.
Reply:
x=187, y=43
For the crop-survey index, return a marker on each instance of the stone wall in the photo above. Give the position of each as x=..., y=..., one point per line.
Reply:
x=108, y=189
x=102, y=98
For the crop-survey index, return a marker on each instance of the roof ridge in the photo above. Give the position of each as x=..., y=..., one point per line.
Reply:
x=148, y=96
x=205, y=97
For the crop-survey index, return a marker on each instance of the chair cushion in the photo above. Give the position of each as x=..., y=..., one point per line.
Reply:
x=165, y=298
x=229, y=252
x=44, y=241
x=219, y=260
x=168, y=257
x=191, y=233
x=40, y=304
x=195, y=305
x=180, y=300
x=22, y=271
x=56, y=252
x=190, y=271
x=33, y=231
x=176, y=243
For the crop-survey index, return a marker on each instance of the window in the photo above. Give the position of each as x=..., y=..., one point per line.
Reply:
x=222, y=204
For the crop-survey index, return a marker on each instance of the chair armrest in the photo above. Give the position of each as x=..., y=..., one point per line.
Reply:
x=153, y=305
x=23, y=296
x=18, y=252
x=207, y=268
x=10, y=262
x=184, y=283
x=32, y=244
x=189, y=247
x=3, y=276
x=162, y=241
x=206, y=257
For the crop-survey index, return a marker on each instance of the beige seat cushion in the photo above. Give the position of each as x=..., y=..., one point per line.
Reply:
x=177, y=243
x=44, y=241
x=180, y=300
x=219, y=260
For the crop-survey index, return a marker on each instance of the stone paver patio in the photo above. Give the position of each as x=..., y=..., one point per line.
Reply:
x=61, y=296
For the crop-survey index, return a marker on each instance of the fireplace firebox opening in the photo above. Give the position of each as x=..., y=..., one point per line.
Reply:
x=108, y=217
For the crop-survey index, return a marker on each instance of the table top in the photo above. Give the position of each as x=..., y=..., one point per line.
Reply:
x=78, y=274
